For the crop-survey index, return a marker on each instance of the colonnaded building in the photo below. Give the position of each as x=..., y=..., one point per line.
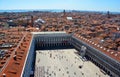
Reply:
x=55, y=41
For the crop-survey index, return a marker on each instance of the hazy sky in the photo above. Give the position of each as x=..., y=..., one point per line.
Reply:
x=94, y=5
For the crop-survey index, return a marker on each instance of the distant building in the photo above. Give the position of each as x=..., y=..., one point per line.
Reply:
x=108, y=14
x=64, y=13
x=116, y=35
x=69, y=18
x=32, y=21
x=11, y=23
x=39, y=21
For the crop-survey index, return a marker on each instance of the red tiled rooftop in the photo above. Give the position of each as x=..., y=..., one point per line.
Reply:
x=85, y=22
x=10, y=66
x=106, y=51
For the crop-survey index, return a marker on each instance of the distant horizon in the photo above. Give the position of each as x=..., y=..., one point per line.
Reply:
x=87, y=5
x=52, y=10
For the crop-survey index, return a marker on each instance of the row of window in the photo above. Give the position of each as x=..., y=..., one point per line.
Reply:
x=52, y=35
x=52, y=39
